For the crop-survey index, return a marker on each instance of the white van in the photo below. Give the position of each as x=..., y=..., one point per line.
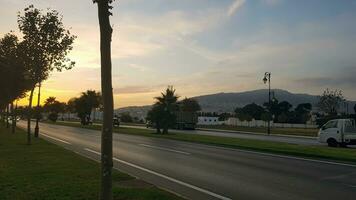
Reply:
x=338, y=132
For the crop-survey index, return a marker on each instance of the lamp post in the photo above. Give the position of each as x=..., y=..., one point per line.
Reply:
x=267, y=78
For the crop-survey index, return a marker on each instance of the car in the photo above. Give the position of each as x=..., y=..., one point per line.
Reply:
x=116, y=121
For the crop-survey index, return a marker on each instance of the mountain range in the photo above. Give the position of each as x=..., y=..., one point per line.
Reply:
x=227, y=102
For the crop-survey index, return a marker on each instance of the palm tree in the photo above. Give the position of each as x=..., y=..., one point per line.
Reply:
x=93, y=99
x=168, y=102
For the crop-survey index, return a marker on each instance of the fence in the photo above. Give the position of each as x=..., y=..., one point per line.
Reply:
x=259, y=123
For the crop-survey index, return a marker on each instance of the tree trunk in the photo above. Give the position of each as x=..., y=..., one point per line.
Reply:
x=165, y=129
x=37, y=128
x=107, y=95
x=29, y=117
x=13, y=117
x=7, y=116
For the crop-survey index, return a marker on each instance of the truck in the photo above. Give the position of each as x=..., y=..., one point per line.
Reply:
x=186, y=120
x=338, y=132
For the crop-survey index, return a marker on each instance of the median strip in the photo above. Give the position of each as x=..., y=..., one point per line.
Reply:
x=165, y=177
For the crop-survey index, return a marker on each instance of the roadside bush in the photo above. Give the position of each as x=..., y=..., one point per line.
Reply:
x=53, y=117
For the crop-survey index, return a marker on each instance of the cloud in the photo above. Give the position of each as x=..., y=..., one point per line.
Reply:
x=135, y=89
x=271, y=2
x=234, y=7
x=140, y=68
x=343, y=78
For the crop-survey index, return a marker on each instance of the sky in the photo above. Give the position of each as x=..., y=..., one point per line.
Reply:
x=205, y=46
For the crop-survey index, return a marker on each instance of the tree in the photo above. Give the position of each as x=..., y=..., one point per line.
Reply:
x=273, y=108
x=126, y=117
x=13, y=74
x=70, y=107
x=242, y=116
x=248, y=118
x=282, y=118
x=224, y=116
x=330, y=100
x=85, y=104
x=82, y=110
x=302, y=113
x=284, y=107
x=168, y=103
x=266, y=117
x=108, y=104
x=189, y=105
x=53, y=107
x=155, y=117
x=93, y=99
x=46, y=44
x=253, y=110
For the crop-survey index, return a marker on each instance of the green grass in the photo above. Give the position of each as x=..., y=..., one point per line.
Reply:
x=321, y=152
x=280, y=131
x=44, y=171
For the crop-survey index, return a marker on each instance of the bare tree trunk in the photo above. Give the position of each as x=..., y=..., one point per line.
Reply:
x=106, y=89
x=13, y=117
x=37, y=128
x=29, y=117
x=7, y=116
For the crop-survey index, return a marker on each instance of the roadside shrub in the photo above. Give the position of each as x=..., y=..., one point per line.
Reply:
x=53, y=117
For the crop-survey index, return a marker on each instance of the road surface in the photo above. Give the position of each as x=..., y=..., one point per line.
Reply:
x=255, y=136
x=198, y=171
x=239, y=134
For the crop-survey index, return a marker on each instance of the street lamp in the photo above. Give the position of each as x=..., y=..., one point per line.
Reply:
x=267, y=78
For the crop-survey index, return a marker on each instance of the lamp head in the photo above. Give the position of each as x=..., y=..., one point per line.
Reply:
x=265, y=80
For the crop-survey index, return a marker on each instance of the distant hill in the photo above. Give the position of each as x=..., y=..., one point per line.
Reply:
x=227, y=102
x=135, y=111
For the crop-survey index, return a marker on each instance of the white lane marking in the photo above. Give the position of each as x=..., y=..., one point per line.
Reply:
x=55, y=139
x=165, y=149
x=165, y=177
x=289, y=157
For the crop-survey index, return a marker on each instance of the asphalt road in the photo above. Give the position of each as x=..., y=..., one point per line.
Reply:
x=255, y=136
x=205, y=172
x=239, y=134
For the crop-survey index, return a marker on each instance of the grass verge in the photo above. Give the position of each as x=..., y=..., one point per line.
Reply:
x=280, y=131
x=46, y=171
x=321, y=152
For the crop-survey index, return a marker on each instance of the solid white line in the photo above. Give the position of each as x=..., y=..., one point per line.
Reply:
x=55, y=138
x=90, y=150
x=166, y=177
x=165, y=149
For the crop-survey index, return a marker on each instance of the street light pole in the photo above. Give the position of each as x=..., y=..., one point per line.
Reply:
x=266, y=78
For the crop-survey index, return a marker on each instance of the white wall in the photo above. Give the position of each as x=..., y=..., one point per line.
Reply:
x=232, y=121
